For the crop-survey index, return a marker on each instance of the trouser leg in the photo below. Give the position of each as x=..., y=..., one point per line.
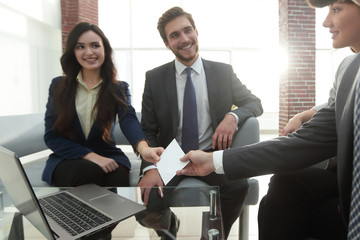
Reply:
x=291, y=201
x=232, y=197
x=158, y=214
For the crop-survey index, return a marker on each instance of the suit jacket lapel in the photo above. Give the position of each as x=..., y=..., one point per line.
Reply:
x=94, y=130
x=211, y=81
x=78, y=128
x=171, y=95
x=345, y=88
x=345, y=148
x=344, y=109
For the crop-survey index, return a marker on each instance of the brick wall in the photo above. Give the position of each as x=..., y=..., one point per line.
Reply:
x=297, y=36
x=75, y=11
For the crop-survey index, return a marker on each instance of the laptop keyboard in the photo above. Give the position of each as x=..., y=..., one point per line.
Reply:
x=73, y=215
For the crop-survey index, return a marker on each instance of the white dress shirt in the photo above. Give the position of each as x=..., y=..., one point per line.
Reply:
x=84, y=102
x=202, y=101
x=218, y=161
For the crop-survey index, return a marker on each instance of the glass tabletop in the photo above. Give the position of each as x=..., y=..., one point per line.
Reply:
x=196, y=208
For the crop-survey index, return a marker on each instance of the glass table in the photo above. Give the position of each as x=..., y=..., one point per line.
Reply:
x=199, y=214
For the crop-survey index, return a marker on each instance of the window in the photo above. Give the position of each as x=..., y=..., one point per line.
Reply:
x=229, y=31
x=240, y=33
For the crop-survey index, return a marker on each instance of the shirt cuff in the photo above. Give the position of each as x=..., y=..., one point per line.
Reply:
x=237, y=119
x=218, y=162
x=147, y=169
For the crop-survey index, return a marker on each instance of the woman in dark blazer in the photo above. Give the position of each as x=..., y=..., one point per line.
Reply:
x=81, y=112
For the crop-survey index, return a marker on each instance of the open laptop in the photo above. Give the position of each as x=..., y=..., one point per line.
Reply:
x=111, y=208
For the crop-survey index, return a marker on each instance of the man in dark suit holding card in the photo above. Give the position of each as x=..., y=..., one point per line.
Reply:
x=164, y=110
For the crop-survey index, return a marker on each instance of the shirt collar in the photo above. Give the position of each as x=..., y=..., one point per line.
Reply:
x=80, y=80
x=197, y=66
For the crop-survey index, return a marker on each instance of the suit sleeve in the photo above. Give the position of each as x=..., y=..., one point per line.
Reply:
x=314, y=142
x=59, y=144
x=149, y=121
x=128, y=121
x=248, y=105
x=338, y=76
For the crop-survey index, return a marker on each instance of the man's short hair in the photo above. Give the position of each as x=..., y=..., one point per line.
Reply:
x=170, y=15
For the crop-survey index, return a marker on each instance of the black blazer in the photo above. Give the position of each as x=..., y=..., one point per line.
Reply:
x=160, y=107
x=328, y=134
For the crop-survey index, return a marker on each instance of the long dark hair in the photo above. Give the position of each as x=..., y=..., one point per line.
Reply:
x=108, y=100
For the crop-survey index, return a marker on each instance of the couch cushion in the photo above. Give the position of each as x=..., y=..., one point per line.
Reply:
x=34, y=171
x=23, y=134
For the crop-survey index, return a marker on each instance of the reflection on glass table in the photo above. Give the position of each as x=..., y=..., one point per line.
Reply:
x=198, y=213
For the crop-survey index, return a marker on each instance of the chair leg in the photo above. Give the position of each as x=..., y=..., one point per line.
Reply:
x=244, y=224
x=17, y=228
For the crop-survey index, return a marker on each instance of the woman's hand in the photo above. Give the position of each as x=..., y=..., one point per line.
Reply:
x=295, y=122
x=107, y=164
x=149, y=154
x=293, y=125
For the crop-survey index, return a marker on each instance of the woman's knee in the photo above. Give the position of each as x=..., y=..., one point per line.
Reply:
x=118, y=178
x=93, y=174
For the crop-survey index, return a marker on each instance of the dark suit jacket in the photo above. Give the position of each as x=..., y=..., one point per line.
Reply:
x=160, y=107
x=64, y=148
x=328, y=134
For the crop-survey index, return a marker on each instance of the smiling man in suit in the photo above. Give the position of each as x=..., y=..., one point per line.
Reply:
x=216, y=89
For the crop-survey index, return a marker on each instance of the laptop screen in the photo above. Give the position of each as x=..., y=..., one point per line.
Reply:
x=20, y=191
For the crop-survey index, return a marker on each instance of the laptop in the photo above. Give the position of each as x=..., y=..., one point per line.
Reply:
x=104, y=207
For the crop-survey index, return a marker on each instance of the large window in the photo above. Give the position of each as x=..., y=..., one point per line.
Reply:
x=242, y=33
x=237, y=32
x=30, y=37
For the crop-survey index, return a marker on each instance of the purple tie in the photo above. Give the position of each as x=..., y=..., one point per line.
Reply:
x=190, y=134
